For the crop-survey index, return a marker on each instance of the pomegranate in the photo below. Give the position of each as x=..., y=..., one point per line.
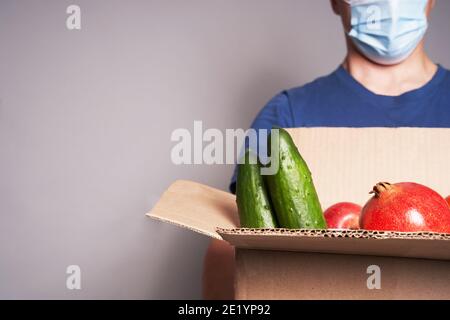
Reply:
x=405, y=207
x=448, y=200
x=343, y=215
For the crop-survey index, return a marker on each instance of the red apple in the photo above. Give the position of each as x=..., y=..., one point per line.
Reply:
x=406, y=207
x=344, y=215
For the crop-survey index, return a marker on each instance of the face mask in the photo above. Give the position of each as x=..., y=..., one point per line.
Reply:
x=387, y=31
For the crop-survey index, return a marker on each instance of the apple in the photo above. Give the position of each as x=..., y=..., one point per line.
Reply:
x=343, y=215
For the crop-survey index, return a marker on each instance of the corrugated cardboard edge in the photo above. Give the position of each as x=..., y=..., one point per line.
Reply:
x=423, y=245
x=330, y=233
x=184, y=226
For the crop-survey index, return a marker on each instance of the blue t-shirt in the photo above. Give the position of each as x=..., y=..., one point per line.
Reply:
x=338, y=100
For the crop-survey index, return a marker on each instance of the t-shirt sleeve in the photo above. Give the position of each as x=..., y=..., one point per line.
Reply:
x=277, y=112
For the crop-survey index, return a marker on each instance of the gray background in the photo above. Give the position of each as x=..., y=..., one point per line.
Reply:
x=86, y=118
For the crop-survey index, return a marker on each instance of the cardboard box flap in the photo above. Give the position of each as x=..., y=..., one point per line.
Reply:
x=347, y=162
x=197, y=207
x=356, y=242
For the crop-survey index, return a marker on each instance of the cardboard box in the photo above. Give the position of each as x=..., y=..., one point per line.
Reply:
x=327, y=264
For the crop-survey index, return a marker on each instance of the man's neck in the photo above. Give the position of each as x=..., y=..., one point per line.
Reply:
x=411, y=74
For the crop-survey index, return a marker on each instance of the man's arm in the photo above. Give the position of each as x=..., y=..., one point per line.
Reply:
x=218, y=271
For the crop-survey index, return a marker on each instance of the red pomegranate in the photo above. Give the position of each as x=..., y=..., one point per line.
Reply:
x=343, y=215
x=448, y=200
x=405, y=207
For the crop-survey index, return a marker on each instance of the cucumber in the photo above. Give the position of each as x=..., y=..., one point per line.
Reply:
x=292, y=190
x=255, y=209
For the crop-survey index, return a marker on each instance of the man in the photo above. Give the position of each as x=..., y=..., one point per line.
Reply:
x=386, y=80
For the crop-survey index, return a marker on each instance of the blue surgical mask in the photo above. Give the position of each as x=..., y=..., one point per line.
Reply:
x=387, y=31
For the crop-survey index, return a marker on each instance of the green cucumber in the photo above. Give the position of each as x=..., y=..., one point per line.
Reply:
x=291, y=188
x=255, y=209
